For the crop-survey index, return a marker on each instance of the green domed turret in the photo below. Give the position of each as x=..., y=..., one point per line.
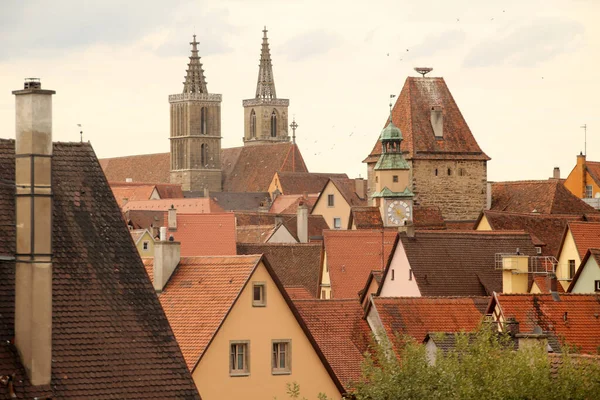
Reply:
x=390, y=132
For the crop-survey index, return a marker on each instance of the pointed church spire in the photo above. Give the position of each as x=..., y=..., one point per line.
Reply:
x=265, y=88
x=195, y=82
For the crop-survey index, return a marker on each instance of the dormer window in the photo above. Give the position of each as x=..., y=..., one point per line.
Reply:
x=259, y=294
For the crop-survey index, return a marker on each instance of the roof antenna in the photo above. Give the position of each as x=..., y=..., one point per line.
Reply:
x=80, y=133
x=423, y=70
x=584, y=126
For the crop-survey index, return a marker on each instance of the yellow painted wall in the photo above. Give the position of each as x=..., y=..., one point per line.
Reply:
x=385, y=179
x=579, y=178
x=275, y=184
x=340, y=209
x=140, y=245
x=260, y=325
x=325, y=281
x=484, y=225
x=568, y=252
x=589, y=274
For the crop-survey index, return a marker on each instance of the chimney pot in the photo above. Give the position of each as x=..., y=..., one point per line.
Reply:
x=556, y=173
x=172, y=218
x=302, y=223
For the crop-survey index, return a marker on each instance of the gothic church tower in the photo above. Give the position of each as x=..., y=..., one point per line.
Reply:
x=196, y=131
x=265, y=116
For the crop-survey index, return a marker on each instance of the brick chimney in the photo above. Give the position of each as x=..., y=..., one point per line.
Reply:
x=167, y=254
x=302, y=222
x=33, y=274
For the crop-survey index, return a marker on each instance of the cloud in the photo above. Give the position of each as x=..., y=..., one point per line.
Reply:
x=436, y=42
x=309, y=44
x=528, y=45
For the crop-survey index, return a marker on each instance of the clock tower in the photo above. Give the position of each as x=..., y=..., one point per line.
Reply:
x=392, y=193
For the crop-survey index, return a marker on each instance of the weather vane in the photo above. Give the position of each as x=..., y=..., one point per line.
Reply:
x=80, y=133
x=294, y=125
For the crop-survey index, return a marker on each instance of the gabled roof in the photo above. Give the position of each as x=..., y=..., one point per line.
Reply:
x=316, y=223
x=548, y=228
x=169, y=190
x=593, y=167
x=110, y=336
x=288, y=203
x=304, y=182
x=347, y=187
x=544, y=283
x=296, y=265
x=205, y=234
x=585, y=234
x=365, y=218
x=571, y=317
x=140, y=168
x=129, y=192
x=137, y=234
x=143, y=219
x=544, y=197
x=251, y=168
x=202, y=292
x=460, y=263
x=412, y=114
x=187, y=206
x=341, y=332
x=255, y=233
x=352, y=255
x=298, y=293
x=591, y=253
x=376, y=276
x=417, y=316
x=233, y=201
x=428, y=218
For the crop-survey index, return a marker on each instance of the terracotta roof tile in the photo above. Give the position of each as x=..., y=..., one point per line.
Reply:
x=169, y=191
x=544, y=197
x=143, y=219
x=340, y=331
x=412, y=114
x=136, y=234
x=347, y=188
x=233, y=201
x=205, y=234
x=212, y=282
x=297, y=265
x=586, y=236
x=461, y=263
x=417, y=316
x=288, y=203
x=304, y=182
x=548, y=228
x=316, y=223
x=573, y=318
x=593, y=167
x=141, y=168
x=298, y=293
x=352, y=255
x=187, y=206
x=365, y=218
x=428, y=217
x=460, y=225
x=110, y=335
x=543, y=283
x=255, y=233
x=124, y=193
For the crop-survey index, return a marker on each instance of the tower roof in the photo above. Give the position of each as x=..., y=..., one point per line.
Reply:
x=391, y=132
x=265, y=87
x=195, y=82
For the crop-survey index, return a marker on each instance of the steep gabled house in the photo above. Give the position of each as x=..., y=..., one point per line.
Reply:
x=584, y=180
x=239, y=331
x=144, y=241
x=587, y=278
x=577, y=239
x=78, y=315
x=289, y=183
x=337, y=198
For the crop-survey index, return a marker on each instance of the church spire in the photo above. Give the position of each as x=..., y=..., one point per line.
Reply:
x=195, y=82
x=265, y=87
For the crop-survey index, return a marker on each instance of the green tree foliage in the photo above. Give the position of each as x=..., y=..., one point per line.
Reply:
x=482, y=365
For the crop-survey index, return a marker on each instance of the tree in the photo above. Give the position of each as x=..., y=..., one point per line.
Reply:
x=481, y=365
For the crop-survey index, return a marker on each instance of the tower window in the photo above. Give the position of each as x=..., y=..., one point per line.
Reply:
x=461, y=172
x=274, y=124
x=395, y=178
x=203, y=155
x=449, y=172
x=252, y=124
x=203, y=120
x=436, y=172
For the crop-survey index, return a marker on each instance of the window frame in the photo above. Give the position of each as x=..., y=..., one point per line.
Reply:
x=146, y=245
x=261, y=302
x=572, y=269
x=287, y=370
x=410, y=274
x=337, y=226
x=330, y=200
x=246, y=358
x=395, y=178
x=589, y=191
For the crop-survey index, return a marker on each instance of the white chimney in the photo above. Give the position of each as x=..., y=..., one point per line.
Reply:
x=302, y=222
x=437, y=121
x=556, y=173
x=163, y=233
x=166, y=258
x=33, y=210
x=172, y=218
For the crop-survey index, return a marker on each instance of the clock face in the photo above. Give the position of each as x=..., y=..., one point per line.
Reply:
x=398, y=212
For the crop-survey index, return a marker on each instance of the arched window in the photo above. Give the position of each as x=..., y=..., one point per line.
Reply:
x=252, y=124
x=203, y=120
x=203, y=155
x=273, y=124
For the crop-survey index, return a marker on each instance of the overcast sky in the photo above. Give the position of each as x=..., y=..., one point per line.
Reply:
x=524, y=73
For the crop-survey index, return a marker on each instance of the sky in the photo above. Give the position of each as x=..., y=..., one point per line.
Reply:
x=523, y=72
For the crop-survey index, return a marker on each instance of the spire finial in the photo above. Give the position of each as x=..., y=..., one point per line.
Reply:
x=265, y=87
x=195, y=82
x=294, y=126
x=391, y=97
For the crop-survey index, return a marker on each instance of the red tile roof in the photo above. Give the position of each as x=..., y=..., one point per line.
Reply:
x=198, y=298
x=169, y=191
x=460, y=263
x=547, y=228
x=298, y=293
x=544, y=197
x=412, y=114
x=141, y=168
x=593, y=167
x=365, y=218
x=187, y=206
x=251, y=168
x=304, y=182
x=205, y=234
x=586, y=235
x=417, y=316
x=288, y=204
x=340, y=331
x=255, y=233
x=296, y=265
x=352, y=255
x=316, y=223
x=347, y=188
x=573, y=318
x=592, y=252
x=110, y=336
x=543, y=283
x=124, y=193
x=428, y=217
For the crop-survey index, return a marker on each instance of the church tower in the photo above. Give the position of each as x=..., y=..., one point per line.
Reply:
x=196, y=131
x=265, y=116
